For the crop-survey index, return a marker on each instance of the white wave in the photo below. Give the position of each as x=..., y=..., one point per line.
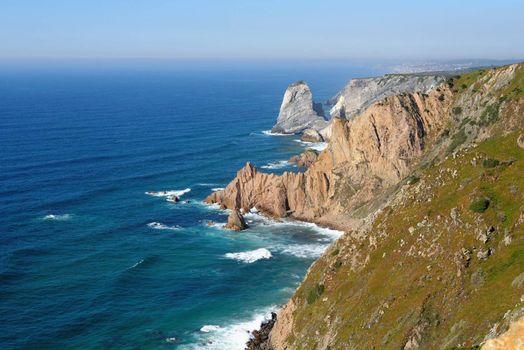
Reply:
x=209, y=328
x=305, y=251
x=317, y=146
x=217, y=189
x=207, y=184
x=177, y=193
x=61, y=217
x=219, y=225
x=269, y=133
x=329, y=233
x=231, y=337
x=136, y=264
x=171, y=340
x=160, y=226
x=279, y=164
x=250, y=256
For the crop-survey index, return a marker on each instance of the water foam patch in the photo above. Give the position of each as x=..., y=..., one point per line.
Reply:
x=209, y=328
x=57, y=217
x=233, y=336
x=159, y=226
x=250, y=256
x=317, y=146
x=169, y=193
x=277, y=165
x=269, y=133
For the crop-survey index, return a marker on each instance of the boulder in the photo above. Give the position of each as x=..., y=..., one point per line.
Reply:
x=520, y=141
x=236, y=221
x=298, y=112
x=311, y=135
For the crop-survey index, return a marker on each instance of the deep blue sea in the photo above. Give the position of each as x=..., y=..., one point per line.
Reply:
x=88, y=260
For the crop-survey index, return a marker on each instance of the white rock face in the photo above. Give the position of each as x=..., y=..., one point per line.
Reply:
x=359, y=94
x=298, y=111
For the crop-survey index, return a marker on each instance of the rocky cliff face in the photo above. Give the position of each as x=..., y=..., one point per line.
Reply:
x=428, y=187
x=298, y=111
x=365, y=156
x=359, y=94
x=440, y=267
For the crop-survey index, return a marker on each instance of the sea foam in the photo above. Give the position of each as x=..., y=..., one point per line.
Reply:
x=279, y=164
x=269, y=133
x=250, y=256
x=317, y=146
x=233, y=336
x=160, y=226
x=61, y=217
x=168, y=193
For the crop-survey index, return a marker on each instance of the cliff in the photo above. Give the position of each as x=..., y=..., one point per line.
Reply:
x=298, y=111
x=428, y=186
x=359, y=94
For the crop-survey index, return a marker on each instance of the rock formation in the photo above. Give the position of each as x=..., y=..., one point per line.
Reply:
x=235, y=221
x=359, y=94
x=298, y=111
x=365, y=155
x=305, y=159
x=311, y=135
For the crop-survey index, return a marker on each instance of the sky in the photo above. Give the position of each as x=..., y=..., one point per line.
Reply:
x=262, y=29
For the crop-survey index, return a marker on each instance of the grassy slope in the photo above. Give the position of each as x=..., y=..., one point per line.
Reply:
x=409, y=278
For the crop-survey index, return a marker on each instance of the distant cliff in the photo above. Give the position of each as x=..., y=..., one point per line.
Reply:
x=298, y=111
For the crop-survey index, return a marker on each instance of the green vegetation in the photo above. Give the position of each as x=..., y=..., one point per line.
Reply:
x=479, y=205
x=422, y=268
x=457, y=110
x=490, y=163
x=315, y=293
x=458, y=139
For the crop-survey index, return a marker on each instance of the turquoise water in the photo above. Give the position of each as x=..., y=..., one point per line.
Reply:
x=80, y=265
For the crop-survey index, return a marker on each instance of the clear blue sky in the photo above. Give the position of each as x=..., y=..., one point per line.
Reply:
x=262, y=29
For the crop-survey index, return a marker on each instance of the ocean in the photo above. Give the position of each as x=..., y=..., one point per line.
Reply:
x=88, y=260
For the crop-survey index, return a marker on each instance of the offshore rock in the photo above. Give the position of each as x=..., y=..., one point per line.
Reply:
x=236, y=221
x=298, y=111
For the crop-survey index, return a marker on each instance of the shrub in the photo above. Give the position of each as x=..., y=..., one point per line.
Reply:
x=335, y=252
x=458, y=139
x=464, y=86
x=441, y=97
x=413, y=179
x=314, y=293
x=479, y=205
x=490, y=163
x=457, y=110
x=490, y=114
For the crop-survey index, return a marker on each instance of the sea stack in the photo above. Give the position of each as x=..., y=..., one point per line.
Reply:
x=298, y=112
x=236, y=221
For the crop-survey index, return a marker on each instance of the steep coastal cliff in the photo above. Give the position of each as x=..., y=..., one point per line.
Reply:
x=428, y=186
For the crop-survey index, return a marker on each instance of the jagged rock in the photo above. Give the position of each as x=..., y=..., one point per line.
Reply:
x=305, y=159
x=365, y=155
x=520, y=141
x=484, y=254
x=298, y=112
x=513, y=339
x=311, y=135
x=235, y=221
x=260, y=338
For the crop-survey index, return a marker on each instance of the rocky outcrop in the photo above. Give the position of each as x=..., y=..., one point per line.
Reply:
x=513, y=339
x=298, y=111
x=236, y=221
x=311, y=135
x=365, y=155
x=520, y=141
x=359, y=94
x=260, y=338
x=305, y=159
